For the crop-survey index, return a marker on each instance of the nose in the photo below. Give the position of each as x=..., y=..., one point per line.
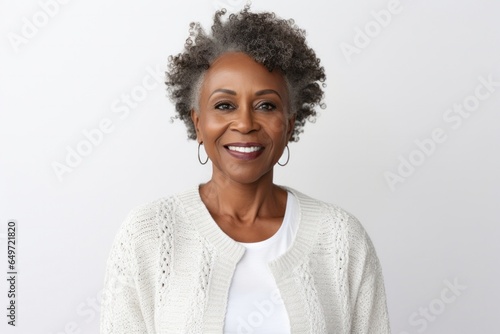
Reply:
x=245, y=119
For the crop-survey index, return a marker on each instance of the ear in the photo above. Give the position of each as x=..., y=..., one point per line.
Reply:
x=196, y=119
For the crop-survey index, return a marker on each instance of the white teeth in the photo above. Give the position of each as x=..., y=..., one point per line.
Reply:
x=245, y=149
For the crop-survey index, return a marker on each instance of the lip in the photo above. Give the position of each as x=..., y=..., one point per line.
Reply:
x=245, y=155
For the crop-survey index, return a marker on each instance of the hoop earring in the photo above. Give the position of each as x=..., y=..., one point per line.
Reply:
x=287, y=158
x=199, y=159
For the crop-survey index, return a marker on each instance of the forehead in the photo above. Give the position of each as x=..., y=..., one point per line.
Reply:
x=238, y=70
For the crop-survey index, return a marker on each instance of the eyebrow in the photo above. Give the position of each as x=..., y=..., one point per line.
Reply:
x=267, y=91
x=258, y=93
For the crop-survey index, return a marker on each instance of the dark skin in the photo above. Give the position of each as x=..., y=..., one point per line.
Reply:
x=244, y=123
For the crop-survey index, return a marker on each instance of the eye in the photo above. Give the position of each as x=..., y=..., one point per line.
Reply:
x=266, y=106
x=224, y=106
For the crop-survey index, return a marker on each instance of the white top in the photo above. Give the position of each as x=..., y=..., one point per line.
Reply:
x=254, y=304
x=170, y=270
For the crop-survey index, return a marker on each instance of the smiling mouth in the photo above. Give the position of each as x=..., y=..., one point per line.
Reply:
x=245, y=149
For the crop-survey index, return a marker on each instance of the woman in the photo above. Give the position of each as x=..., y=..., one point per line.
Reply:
x=240, y=254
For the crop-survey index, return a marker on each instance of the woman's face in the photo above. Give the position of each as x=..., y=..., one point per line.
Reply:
x=243, y=118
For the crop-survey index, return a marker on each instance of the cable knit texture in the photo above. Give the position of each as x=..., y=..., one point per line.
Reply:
x=171, y=266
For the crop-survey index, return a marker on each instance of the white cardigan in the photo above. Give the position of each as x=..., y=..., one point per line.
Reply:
x=170, y=269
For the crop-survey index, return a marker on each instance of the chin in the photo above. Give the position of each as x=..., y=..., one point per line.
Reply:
x=247, y=177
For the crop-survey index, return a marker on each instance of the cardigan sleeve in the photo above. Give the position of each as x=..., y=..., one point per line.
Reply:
x=120, y=308
x=367, y=292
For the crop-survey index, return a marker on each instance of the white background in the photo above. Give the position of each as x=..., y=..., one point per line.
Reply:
x=440, y=224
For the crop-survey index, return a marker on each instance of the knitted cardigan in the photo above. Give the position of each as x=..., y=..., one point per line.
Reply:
x=170, y=269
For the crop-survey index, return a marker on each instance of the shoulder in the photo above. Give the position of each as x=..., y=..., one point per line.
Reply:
x=340, y=235
x=335, y=225
x=142, y=217
x=329, y=215
x=142, y=221
x=148, y=219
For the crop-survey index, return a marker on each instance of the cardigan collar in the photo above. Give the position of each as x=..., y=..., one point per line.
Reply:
x=307, y=231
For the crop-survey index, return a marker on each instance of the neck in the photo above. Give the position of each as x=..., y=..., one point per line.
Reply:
x=244, y=203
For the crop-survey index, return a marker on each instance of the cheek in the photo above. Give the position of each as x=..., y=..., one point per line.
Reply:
x=211, y=126
x=278, y=127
